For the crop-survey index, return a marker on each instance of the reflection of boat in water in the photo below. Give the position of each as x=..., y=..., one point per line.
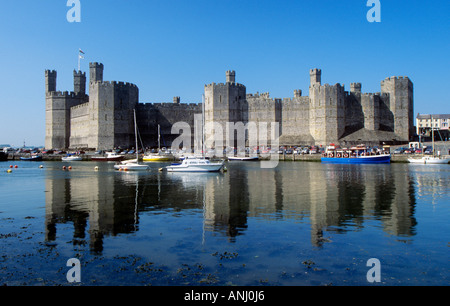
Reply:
x=196, y=165
x=355, y=155
x=132, y=165
x=110, y=156
x=32, y=158
x=72, y=157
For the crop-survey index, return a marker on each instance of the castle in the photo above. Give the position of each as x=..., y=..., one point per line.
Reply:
x=103, y=119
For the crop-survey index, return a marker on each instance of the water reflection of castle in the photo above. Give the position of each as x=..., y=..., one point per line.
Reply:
x=107, y=205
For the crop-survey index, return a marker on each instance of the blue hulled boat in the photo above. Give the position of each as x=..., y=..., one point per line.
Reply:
x=354, y=155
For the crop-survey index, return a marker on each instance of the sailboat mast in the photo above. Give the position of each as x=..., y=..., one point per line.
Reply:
x=203, y=125
x=432, y=134
x=135, y=135
x=159, y=139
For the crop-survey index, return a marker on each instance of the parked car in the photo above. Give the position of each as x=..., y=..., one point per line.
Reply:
x=398, y=151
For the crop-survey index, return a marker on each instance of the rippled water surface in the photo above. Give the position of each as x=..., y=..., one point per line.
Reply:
x=301, y=223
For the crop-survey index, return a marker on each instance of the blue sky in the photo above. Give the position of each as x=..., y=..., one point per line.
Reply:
x=173, y=48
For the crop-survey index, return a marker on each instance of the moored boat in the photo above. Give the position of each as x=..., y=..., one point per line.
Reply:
x=32, y=158
x=109, y=156
x=243, y=158
x=195, y=165
x=429, y=160
x=71, y=157
x=132, y=165
x=355, y=155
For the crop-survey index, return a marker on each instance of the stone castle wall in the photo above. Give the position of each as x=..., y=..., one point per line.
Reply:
x=104, y=118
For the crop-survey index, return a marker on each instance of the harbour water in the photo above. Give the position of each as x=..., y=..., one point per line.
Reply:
x=301, y=223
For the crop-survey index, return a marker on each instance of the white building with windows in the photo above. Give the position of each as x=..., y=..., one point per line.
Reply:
x=439, y=122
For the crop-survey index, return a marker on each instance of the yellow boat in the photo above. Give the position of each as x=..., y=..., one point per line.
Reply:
x=158, y=157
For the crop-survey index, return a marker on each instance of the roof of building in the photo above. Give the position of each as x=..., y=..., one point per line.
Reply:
x=434, y=116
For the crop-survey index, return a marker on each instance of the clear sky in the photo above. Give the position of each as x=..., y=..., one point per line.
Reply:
x=173, y=48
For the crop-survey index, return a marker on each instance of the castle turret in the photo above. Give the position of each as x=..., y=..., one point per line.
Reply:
x=50, y=80
x=79, y=82
x=231, y=76
x=401, y=104
x=355, y=87
x=297, y=93
x=96, y=72
x=315, y=76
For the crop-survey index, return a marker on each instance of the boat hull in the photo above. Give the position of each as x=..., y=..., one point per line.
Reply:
x=131, y=167
x=34, y=158
x=237, y=158
x=68, y=159
x=157, y=158
x=102, y=158
x=428, y=160
x=195, y=168
x=373, y=159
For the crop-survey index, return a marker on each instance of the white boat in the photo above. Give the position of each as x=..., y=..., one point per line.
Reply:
x=196, y=165
x=132, y=165
x=110, y=156
x=429, y=160
x=71, y=157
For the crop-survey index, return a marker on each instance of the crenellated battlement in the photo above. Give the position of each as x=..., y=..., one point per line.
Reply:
x=64, y=94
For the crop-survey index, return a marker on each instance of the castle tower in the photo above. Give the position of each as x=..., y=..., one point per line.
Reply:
x=326, y=110
x=231, y=76
x=95, y=72
x=225, y=103
x=50, y=80
x=401, y=104
x=355, y=87
x=315, y=76
x=79, y=82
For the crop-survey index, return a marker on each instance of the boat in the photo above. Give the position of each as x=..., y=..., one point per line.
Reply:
x=110, y=156
x=160, y=156
x=355, y=155
x=3, y=156
x=132, y=165
x=71, y=157
x=243, y=158
x=195, y=164
x=32, y=158
x=430, y=159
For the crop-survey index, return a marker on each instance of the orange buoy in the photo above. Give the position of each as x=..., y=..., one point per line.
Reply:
x=64, y=167
x=10, y=166
x=16, y=166
x=70, y=167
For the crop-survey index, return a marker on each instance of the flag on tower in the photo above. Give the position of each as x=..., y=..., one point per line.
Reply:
x=81, y=51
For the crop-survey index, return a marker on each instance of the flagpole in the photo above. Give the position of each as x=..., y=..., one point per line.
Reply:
x=79, y=57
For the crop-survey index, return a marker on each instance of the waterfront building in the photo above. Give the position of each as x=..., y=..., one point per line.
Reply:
x=102, y=119
x=439, y=122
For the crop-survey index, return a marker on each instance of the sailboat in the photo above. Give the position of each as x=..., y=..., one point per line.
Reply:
x=430, y=159
x=160, y=155
x=197, y=164
x=132, y=165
